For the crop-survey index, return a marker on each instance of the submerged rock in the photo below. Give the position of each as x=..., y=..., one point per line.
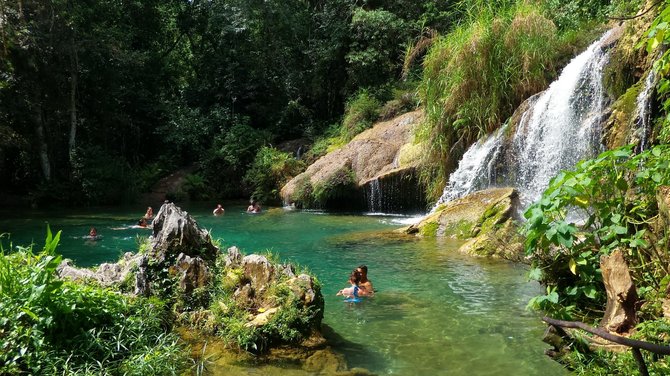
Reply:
x=485, y=219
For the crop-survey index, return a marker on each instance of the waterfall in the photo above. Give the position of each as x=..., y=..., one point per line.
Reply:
x=644, y=104
x=475, y=168
x=374, y=196
x=560, y=127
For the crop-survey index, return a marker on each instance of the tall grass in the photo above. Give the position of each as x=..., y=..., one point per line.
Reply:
x=475, y=76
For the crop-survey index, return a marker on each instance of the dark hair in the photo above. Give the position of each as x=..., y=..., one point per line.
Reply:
x=364, y=268
x=355, y=277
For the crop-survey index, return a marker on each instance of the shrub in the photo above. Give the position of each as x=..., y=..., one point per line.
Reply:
x=360, y=113
x=50, y=326
x=613, y=196
x=270, y=170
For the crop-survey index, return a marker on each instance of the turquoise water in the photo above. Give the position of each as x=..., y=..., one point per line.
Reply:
x=436, y=312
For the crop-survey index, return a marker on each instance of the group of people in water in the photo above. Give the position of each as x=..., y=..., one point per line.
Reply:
x=254, y=207
x=145, y=220
x=360, y=285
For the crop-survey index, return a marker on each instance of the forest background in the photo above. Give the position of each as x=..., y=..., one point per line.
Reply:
x=101, y=99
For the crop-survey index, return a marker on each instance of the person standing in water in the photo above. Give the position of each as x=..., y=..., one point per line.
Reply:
x=254, y=207
x=365, y=284
x=219, y=210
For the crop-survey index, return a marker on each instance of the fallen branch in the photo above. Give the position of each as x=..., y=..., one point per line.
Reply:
x=657, y=349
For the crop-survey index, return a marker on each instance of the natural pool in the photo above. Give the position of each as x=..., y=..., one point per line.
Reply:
x=436, y=312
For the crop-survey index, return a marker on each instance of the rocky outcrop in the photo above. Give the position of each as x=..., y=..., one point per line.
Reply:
x=175, y=232
x=485, y=219
x=338, y=177
x=272, y=299
x=219, y=293
x=107, y=274
x=625, y=78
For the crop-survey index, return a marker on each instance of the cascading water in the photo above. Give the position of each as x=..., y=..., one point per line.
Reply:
x=374, y=196
x=644, y=104
x=475, y=168
x=560, y=127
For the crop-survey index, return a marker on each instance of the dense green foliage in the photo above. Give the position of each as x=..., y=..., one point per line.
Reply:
x=604, y=204
x=271, y=169
x=49, y=326
x=612, y=202
x=90, y=91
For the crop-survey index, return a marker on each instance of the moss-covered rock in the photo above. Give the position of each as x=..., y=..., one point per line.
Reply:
x=484, y=219
x=337, y=180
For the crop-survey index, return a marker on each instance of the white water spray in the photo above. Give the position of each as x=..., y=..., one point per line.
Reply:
x=560, y=128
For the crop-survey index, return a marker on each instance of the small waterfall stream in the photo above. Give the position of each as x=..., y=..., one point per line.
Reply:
x=374, y=196
x=644, y=104
x=560, y=127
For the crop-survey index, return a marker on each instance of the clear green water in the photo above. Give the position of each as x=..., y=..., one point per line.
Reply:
x=436, y=312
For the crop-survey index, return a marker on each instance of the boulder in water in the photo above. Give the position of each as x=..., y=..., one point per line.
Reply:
x=484, y=218
x=337, y=179
x=175, y=232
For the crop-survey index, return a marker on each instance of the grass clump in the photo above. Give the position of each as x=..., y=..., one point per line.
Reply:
x=475, y=76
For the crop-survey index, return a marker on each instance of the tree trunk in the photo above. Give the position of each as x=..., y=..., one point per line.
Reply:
x=74, y=69
x=43, y=150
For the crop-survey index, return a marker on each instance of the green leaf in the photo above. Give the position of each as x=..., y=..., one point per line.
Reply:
x=535, y=274
x=590, y=292
x=553, y=297
x=573, y=266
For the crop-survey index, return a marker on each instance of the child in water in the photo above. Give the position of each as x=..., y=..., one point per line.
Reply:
x=352, y=292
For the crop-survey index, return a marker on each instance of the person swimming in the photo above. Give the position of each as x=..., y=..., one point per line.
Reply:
x=254, y=207
x=365, y=284
x=149, y=214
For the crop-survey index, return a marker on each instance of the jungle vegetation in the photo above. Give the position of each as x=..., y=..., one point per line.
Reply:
x=99, y=100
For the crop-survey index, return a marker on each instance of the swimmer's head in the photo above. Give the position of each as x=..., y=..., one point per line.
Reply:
x=363, y=269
